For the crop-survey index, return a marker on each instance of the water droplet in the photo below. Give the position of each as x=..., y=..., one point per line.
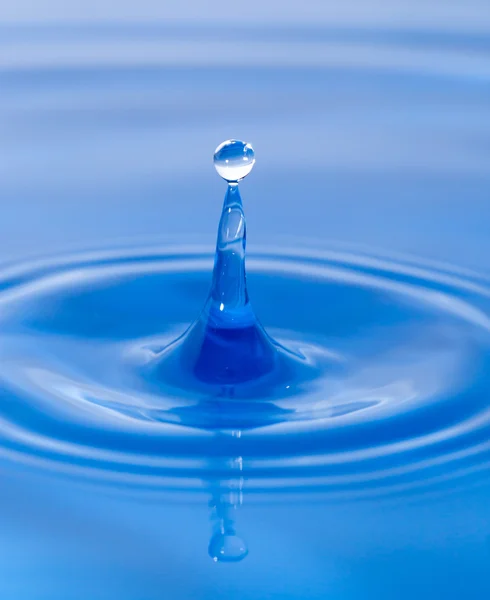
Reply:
x=227, y=547
x=234, y=160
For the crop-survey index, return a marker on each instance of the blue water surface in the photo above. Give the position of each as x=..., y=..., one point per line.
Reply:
x=367, y=215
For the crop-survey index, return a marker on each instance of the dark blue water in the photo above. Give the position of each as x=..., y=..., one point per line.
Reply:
x=364, y=471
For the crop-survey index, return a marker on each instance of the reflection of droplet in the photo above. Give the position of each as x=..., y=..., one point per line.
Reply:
x=227, y=547
x=234, y=160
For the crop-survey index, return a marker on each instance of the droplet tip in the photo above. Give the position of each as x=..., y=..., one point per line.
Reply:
x=233, y=160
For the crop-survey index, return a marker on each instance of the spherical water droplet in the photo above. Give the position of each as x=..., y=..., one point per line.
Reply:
x=234, y=160
x=227, y=547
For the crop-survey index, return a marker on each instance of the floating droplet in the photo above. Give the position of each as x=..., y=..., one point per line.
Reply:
x=227, y=547
x=234, y=160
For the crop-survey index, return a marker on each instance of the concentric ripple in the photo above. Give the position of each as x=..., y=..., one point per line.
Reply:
x=395, y=398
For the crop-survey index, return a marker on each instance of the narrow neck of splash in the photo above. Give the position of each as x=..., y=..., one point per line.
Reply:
x=229, y=297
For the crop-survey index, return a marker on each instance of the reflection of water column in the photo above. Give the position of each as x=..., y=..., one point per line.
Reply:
x=227, y=496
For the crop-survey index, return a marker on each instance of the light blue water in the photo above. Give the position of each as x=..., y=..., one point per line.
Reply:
x=369, y=477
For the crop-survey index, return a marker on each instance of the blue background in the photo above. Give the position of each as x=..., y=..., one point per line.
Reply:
x=371, y=125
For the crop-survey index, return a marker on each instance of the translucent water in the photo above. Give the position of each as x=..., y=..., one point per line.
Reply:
x=226, y=353
x=356, y=465
x=234, y=160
